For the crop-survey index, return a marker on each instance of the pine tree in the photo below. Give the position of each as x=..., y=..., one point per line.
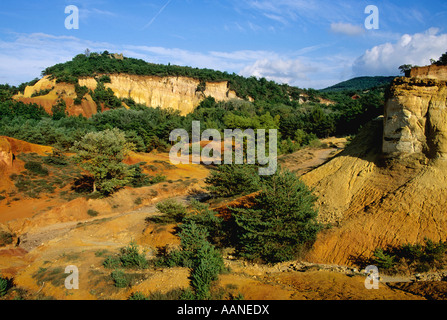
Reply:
x=101, y=154
x=281, y=222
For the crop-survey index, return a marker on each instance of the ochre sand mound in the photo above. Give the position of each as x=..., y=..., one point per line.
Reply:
x=373, y=203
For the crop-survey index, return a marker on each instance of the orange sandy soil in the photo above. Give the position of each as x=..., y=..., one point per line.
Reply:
x=53, y=238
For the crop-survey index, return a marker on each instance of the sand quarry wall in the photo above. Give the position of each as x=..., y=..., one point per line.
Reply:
x=177, y=93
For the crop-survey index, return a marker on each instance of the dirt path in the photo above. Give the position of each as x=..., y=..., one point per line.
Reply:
x=305, y=160
x=30, y=241
x=299, y=162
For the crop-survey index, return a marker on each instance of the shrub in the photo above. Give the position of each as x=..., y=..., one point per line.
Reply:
x=138, y=296
x=37, y=168
x=203, y=216
x=173, y=212
x=129, y=257
x=92, y=213
x=384, y=260
x=6, y=238
x=105, y=79
x=43, y=92
x=196, y=253
x=411, y=257
x=120, y=279
x=111, y=263
x=4, y=285
x=207, y=264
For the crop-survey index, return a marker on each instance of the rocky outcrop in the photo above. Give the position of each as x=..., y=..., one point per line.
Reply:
x=177, y=93
x=6, y=155
x=433, y=71
x=415, y=120
x=374, y=202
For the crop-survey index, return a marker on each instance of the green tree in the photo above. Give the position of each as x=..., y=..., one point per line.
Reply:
x=233, y=179
x=4, y=284
x=59, y=110
x=101, y=154
x=405, y=69
x=442, y=61
x=280, y=224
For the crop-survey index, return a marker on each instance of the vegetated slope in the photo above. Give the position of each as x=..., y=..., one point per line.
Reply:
x=95, y=64
x=96, y=82
x=359, y=83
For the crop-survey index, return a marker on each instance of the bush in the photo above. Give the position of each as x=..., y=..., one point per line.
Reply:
x=36, y=167
x=173, y=212
x=111, y=263
x=138, y=296
x=4, y=284
x=6, y=238
x=92, y=213
x=120, y=279
x=202, y=216
x=383, y=260
x=207, y=264
x=196, y=253
x=129, y=257
x=411, y=257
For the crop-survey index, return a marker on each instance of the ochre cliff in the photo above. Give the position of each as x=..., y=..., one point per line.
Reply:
x=415, y=120
x=388, y=186
x=433, y=71
x=177, y=93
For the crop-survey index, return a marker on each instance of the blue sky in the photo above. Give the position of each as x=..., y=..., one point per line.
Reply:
x=310, y=44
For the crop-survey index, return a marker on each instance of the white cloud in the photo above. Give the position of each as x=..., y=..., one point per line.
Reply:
x=315, y=11
x=279, y=70
x=347, y=28
x=415, y=49
x=27, y=55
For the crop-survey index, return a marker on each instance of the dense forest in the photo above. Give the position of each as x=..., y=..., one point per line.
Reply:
x=359, y=83
x=274, y=107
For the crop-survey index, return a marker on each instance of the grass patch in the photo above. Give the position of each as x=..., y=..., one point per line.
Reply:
x=56, y=276
x=122, y=279
x=36, y=168
x=101, y=253
x=44, y=174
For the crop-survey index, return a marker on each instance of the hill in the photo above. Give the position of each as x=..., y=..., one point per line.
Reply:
x=99, y=64
x=359, y=83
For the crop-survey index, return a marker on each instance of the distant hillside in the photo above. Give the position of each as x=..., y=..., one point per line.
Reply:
x=359, y=83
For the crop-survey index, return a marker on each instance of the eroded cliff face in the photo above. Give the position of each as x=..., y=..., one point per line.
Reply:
x=415, y=119
x=375, y=203
x=177, y=93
